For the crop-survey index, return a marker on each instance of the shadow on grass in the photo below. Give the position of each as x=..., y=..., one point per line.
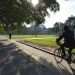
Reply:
x=18, y=63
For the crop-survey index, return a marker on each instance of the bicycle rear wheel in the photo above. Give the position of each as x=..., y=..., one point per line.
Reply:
x=58, y=55
x=72, y=65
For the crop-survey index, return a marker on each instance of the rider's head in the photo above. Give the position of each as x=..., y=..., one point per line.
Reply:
x=66, y=28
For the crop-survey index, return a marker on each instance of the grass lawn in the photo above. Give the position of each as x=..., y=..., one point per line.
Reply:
x=43, y=40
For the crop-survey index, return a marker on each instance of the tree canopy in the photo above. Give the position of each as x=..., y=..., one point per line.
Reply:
x=59, y=26
x=18, y=11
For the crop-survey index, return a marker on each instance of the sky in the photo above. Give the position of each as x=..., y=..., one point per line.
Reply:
x=67, y=9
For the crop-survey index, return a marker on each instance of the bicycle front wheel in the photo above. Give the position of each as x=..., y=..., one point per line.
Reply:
x=58, y=55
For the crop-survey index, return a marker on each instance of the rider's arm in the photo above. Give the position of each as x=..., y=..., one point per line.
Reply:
x=58, y=40
x=60, y=37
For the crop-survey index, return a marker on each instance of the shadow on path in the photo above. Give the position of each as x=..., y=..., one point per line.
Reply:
x=14, y=62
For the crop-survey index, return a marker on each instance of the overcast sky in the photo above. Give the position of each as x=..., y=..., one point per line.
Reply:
x=67, y=8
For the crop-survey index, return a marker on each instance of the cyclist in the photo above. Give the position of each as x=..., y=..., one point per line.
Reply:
x=68, y=36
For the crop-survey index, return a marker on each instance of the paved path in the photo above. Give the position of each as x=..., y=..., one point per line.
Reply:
x=17, y=59
x=3, y=37
x=14, y=61
x=46, y=59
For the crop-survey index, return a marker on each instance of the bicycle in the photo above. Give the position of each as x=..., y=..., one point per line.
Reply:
x=59, y=55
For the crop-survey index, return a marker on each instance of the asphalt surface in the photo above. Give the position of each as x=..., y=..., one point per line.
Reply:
x=46, y=59
x=20, y=59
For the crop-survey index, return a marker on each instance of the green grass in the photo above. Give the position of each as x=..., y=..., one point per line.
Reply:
x=47, y=42
x=43, y=40
x=21, y=36
x=30, y=36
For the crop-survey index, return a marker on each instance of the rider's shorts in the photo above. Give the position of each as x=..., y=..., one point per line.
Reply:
x=69, y=44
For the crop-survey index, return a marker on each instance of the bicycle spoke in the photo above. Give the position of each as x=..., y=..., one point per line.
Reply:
x=58, y=55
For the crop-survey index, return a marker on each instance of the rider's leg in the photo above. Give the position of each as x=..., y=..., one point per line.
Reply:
x=63, y=50
x=70, y=54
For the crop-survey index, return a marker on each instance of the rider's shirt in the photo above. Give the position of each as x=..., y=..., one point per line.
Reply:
x=68, y=36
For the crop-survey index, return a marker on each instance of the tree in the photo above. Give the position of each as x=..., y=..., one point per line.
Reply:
x=19, y=11
x=22, y=29
x=34, y=29
x=1, y=29
x=39, y=29
x=51, y=31
x=58, y=27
